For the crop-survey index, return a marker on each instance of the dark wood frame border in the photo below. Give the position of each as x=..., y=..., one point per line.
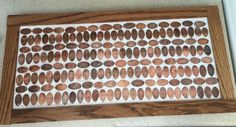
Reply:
x=8, y=115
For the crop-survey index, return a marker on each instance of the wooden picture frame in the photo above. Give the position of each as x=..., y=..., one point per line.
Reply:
x=9, y=115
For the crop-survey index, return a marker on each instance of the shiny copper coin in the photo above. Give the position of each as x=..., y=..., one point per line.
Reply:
x=125, y=93
x=92, y=28
x=186, y=81
x=174, y=82
x=207, y=50
x=57, y=98
x=210, y=69
x=79, y=37
x=204, y=32
x=26, y=99
x=105, y=27
x=102, y=95
x=122, y=72
x=156, y=34
x=49, y=98
x=190, y=31
x=19, y=79
x=72, y=97
x=58, y=30
x=117, y=93
x=81, y=29
x=21, y=89
x=143, y=52
x=140, y=26
x=150, y=82
x=185, y=92
x=133, y=93
x=163, y=93
x=215, y=91
x=152, y=25
x=33, y=99
x=80, y=96
x=95, y=95
x=107, y=35
x=198, y=31
x=47, y=87
x=115, y=73
x=42, y=98
x=178, y=93
x=61, y=87
x=148, y=93
x=25, y=31
x=140, y=94
x=26, y=78
x=199, y=23
x=108, y=73
x=200, y=92
x=129, y=53
x=110, y=95
x=203, y=41
x=207, y=91
x=110, y=83
x=65, y=98
x=192, y=91
x=155, y=93
x=170, y=93
x=145, y=72
x=64, y=76
x=170, y=32
x=211, y=81
x=98, y=85
x=158, y=71
x=195, y=70
x=162, y=82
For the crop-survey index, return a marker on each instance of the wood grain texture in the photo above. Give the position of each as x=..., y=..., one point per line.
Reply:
x=8, y=75
x=123, y=110
x=114, y=110
x=219, y=49
x=95, y=17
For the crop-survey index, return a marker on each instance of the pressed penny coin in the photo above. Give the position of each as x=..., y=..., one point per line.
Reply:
x=215, y=92
x=133, y=93
x=18, y=99
x=42, y=98
x=140, y=94
x=137, y=71
x=80, y=96
x=49, y=98
x=192, y=91
x=57, y=98
x=155, y=93
x=178, y=93
x=163, y=93
x=26, y=99
x=110, y=95
x=185, y=92
x=87, y=96
x=72, y=97
x=125, y=93
x=117, y=93
x=34, y=99
x=170, y=93
x=95, y=95
x=65, y=98
x=148, y=93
